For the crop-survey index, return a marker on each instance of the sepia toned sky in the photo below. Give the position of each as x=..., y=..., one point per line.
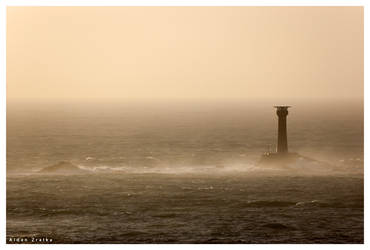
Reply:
x=153, y=53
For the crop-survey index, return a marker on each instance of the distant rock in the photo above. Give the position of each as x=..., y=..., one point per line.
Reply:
x=63, y=167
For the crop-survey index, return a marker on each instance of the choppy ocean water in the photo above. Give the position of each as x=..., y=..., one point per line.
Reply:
x=161, y=208
x=184, y=174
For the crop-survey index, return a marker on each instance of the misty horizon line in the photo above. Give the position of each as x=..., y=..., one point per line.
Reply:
x=274, y=101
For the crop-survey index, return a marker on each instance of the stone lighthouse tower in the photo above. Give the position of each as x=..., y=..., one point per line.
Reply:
x=281, y=157
x=282, y=145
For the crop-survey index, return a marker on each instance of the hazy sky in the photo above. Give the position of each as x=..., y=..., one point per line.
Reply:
x=84, y=53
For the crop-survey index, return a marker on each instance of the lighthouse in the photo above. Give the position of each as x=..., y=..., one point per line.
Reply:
x=282, y=143
x=281, y=157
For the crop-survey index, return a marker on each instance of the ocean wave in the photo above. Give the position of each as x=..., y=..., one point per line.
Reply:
x=168, y=170
x=295, y=204
x=268, y=203
x=298, y=168
x=277, y=226
x=313, y=203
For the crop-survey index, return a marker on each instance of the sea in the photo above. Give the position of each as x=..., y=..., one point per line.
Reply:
x=183, y=172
